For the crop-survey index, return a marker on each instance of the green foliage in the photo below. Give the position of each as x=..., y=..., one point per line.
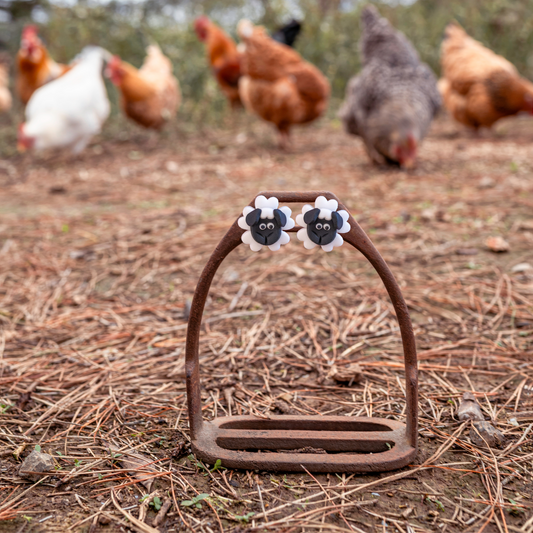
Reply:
x=156, y=503
x=438, y=503
x=198, y=464
x=201, y=466
x=195, y=501
x=37, y=448
x=515, y=509
x=217, y=466
x=243, y=518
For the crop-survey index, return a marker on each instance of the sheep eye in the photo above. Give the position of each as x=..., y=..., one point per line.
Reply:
x=319, y=226
x=262, y=226
x=327, y=227
x=270, y=225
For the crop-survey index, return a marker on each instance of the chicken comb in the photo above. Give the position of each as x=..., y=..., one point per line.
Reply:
x=200, y=26
x=111, y=70
x=30, y=31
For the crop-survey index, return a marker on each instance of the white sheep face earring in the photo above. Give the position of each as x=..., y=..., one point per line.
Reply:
x=322, y=224
x=265, y=224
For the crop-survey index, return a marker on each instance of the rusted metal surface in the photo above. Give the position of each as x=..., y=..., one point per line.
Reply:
x=351, y=444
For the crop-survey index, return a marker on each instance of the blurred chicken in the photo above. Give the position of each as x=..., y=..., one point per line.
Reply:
x=5, y=96
x=67, y=112
x=277, y=84
x=223, y=56
x=393, y=100
x=479, y=87
x=150, y=95
x=287, y=34
x=35, y=67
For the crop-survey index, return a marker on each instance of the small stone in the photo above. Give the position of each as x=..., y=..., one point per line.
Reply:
x=483, y=433
x=486, y=182
x=241, y=138
x=407, y=513
x=514, y=422
x=36, y=463
x=172, y=167
x=522, y=267
x=349, y=374
x=469, y=408
x=103, y=520
x=429, y=214
x=77, y=254
x=497, y=244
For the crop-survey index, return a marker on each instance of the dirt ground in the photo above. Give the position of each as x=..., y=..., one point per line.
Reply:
x=99, y=258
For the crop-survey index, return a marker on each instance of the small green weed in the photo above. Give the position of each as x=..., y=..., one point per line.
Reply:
x=436, y=502
x=243, y=518
x=195, y=501
x=156, y=503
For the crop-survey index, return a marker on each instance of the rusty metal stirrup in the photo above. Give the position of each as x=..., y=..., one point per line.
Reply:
x=353, y=444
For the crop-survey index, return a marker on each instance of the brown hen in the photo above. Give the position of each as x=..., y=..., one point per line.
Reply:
x=5, y=95
x=277, y=84
x=478, y=86
x=150, y=95
x=34, y=65
x=224, y=58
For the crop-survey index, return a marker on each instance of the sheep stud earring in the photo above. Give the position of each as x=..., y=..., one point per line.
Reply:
x=322, y=224
x=265, y=224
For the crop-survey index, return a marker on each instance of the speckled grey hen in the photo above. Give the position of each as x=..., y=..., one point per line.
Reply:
x=392, y=101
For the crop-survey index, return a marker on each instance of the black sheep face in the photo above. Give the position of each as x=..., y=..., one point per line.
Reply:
x=320, y=230
x=266, y=231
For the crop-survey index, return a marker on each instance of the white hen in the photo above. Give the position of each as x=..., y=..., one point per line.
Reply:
x=69, y=111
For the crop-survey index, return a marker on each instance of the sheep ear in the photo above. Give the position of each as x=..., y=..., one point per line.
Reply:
x=280, y=216
x=337, y=220
x=311, y=216
x=253, y=217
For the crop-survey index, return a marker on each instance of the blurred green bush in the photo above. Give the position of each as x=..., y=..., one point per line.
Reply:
x=329, y=38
